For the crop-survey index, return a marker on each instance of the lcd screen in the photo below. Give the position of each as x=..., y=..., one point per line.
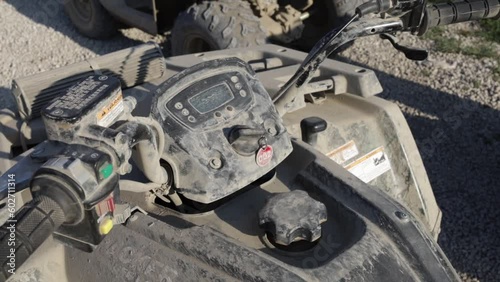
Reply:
x=211, y=98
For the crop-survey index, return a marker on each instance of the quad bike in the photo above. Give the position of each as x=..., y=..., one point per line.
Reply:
x=241, y=164
x=200, y=26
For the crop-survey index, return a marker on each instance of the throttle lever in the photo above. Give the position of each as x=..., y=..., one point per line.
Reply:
x=414, y=54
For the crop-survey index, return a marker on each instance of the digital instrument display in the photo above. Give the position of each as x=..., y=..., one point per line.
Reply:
x=224, y=96
x=212, y=98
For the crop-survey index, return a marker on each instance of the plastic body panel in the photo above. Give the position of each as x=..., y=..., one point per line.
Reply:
x=226, y=244
x=370, y=124
x=380, y=123
x=364, y=238
x=198, y=133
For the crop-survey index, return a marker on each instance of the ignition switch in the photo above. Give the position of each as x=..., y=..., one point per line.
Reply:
x=246, y=141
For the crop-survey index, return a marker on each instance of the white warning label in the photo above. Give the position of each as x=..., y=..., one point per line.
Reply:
x=110, y=112
x=370, y=166
x=344, y=152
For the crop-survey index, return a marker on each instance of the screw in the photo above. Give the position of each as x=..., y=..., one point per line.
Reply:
x=121, y=139
x=125, y=168
x=272, y=130
x=37, y=152
x=215, y=163
x=57, y=112
x=401, y=215
x=133, y=218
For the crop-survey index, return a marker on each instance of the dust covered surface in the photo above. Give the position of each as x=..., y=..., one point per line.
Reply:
x=452, y=104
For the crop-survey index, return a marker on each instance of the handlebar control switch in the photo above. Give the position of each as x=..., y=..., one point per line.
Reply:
x=85, y=185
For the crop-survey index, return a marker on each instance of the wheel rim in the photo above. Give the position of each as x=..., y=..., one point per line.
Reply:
x=83, y=9
x=196, y=44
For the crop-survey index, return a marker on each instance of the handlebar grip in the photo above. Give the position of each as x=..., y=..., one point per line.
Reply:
x=35, y=223
x=460, y=11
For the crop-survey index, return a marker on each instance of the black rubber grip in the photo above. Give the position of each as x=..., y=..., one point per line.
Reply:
x=19, y=239
x=460, y=11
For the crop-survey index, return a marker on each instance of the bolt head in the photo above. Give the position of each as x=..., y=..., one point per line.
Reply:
x=215, y=163
x=401, y=215
x=37, y=152
x=57, y=112
x=272, y=130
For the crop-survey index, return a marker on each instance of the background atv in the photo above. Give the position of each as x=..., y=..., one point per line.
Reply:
x=199, y=26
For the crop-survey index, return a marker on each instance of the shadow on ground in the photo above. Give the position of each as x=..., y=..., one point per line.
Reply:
x=51, y=14
x=461, y=153
x=6, y=99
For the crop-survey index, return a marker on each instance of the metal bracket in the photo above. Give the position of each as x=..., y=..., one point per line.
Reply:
x=124, y=212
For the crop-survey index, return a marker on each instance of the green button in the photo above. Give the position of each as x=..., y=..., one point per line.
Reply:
x=106, y=170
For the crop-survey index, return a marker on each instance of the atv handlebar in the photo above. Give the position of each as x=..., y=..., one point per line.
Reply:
x=434, y=15
x=21, y=236
x=460, y=11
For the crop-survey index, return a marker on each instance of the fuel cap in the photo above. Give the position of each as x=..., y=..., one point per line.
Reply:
x=292, y=216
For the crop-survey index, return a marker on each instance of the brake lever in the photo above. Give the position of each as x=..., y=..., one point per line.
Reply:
x=414, y=54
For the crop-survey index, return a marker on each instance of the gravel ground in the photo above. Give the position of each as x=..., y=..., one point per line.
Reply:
x=451, y=102
x=452, y=106
x=37, y=36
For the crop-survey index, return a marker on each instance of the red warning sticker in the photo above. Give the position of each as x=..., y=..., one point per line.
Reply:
x=264, y=156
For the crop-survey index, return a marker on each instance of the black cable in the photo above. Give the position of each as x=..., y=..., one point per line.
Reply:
x=323, y=48
x=318, y=49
